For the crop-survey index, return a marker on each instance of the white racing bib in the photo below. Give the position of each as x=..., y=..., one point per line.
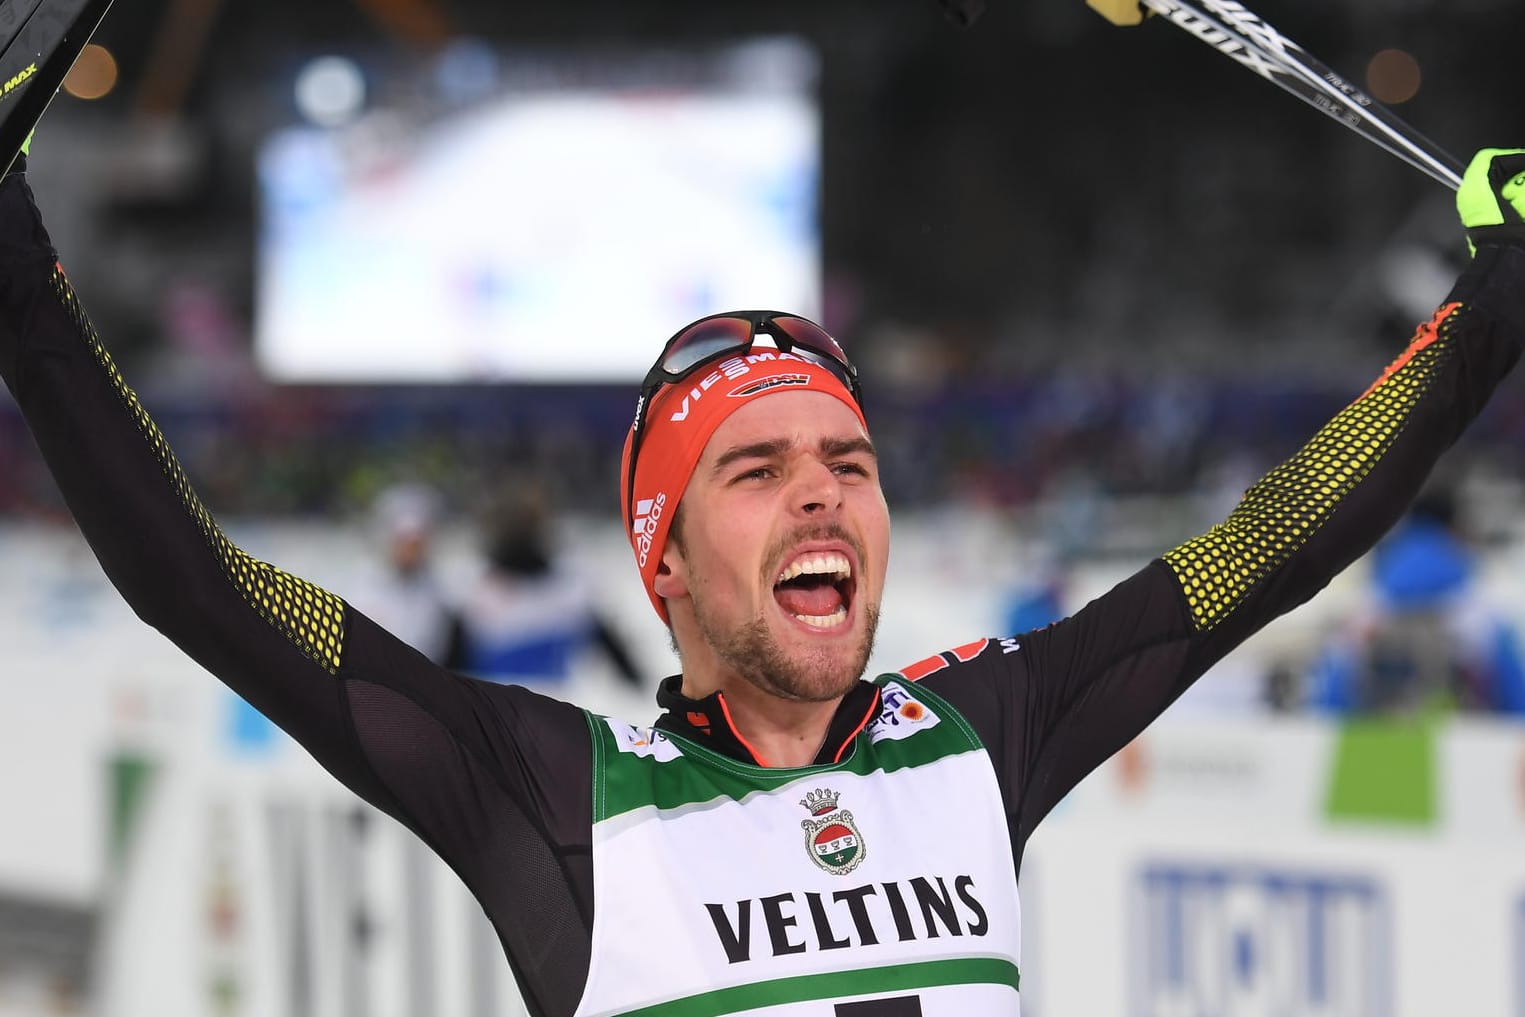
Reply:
x=882, y=886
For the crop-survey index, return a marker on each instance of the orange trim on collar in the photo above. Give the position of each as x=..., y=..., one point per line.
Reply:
x=726, y=711
x=873, y=708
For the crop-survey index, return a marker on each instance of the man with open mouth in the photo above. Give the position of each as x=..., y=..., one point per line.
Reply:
x=789, y=838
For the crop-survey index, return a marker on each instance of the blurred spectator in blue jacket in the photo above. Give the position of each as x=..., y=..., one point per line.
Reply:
x=1430, y=636
x=529, y=616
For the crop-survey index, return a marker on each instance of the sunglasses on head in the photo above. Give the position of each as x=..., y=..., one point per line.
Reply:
x=729, y=334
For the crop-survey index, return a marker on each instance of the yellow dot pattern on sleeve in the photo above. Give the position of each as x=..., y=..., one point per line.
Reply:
x=1277, y=516
x=310, y=616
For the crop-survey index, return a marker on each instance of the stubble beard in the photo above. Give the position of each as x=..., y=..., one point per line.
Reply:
x=752, y=652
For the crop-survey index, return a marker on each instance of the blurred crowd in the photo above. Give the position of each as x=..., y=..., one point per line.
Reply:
x=1098, y=319
x=1008, y=442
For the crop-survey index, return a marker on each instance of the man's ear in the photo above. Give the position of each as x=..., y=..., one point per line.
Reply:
x=671, y=579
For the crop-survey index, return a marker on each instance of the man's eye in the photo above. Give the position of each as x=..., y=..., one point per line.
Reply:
x=851, y=469
x=759, y=473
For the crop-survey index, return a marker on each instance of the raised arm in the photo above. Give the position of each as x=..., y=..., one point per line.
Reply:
x=490, y=777
x=1327, y=505
x=1063, y=699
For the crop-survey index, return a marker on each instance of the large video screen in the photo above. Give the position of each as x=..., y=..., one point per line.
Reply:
x=556, y=230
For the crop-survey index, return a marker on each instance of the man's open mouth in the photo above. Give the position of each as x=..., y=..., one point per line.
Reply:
x=817, y=588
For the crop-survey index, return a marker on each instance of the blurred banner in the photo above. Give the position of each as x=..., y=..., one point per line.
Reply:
x=549, y=225
x=178, y=857
x=1294, y=867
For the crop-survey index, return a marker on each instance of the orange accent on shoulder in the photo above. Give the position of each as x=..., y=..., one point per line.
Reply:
x=919, y=670
x=935, y=663
x=969, y=651
x=1426, y=334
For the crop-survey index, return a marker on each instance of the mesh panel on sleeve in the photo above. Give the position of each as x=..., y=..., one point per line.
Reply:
x=488, y=838
x=1277, y=516
x=311, y=617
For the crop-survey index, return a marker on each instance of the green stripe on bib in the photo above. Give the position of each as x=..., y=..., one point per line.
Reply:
x=835, y=985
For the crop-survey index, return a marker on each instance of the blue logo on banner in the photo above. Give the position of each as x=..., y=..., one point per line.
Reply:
x=1216, y=942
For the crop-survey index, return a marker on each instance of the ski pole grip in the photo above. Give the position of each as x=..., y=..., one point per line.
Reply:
x=1119, y=12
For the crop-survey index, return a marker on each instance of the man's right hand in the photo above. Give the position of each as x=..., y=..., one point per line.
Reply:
x=1491, y=198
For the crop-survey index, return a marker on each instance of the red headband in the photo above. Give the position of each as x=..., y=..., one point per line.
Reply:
x=679, y=423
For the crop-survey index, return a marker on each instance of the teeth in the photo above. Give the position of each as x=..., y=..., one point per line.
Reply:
x=829, y=564
x=824, y=621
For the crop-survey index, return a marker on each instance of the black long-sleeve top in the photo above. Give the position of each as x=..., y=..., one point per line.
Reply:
x=497, y=779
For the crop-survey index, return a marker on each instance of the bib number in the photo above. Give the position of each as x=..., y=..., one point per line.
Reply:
x=900, y=1006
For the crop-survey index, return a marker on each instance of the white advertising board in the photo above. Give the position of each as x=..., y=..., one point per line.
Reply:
x=1205, y=872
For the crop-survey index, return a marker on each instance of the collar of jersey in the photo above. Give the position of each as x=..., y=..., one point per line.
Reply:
x=707, y=722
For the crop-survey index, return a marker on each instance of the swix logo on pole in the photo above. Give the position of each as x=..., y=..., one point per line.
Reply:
x=1240, y=20
x=1250, y=26
x=1240, y=34
x=1258, y=33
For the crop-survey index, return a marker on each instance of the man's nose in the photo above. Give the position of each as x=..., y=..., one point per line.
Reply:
x=816, y=488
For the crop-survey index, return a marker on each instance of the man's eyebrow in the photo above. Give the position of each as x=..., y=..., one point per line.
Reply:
x=830, y=448
x=756, y=450
x=833, y=447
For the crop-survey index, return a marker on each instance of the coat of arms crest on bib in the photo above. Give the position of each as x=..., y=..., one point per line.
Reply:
x=832, y=839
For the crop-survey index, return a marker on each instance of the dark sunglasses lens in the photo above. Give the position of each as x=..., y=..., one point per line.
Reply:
x=808, y=333
x=704, y=339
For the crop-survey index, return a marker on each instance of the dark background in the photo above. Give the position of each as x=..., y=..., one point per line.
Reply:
x=1057, y=248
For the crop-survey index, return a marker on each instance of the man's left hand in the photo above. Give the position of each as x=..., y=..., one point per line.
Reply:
x=1491, y=198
